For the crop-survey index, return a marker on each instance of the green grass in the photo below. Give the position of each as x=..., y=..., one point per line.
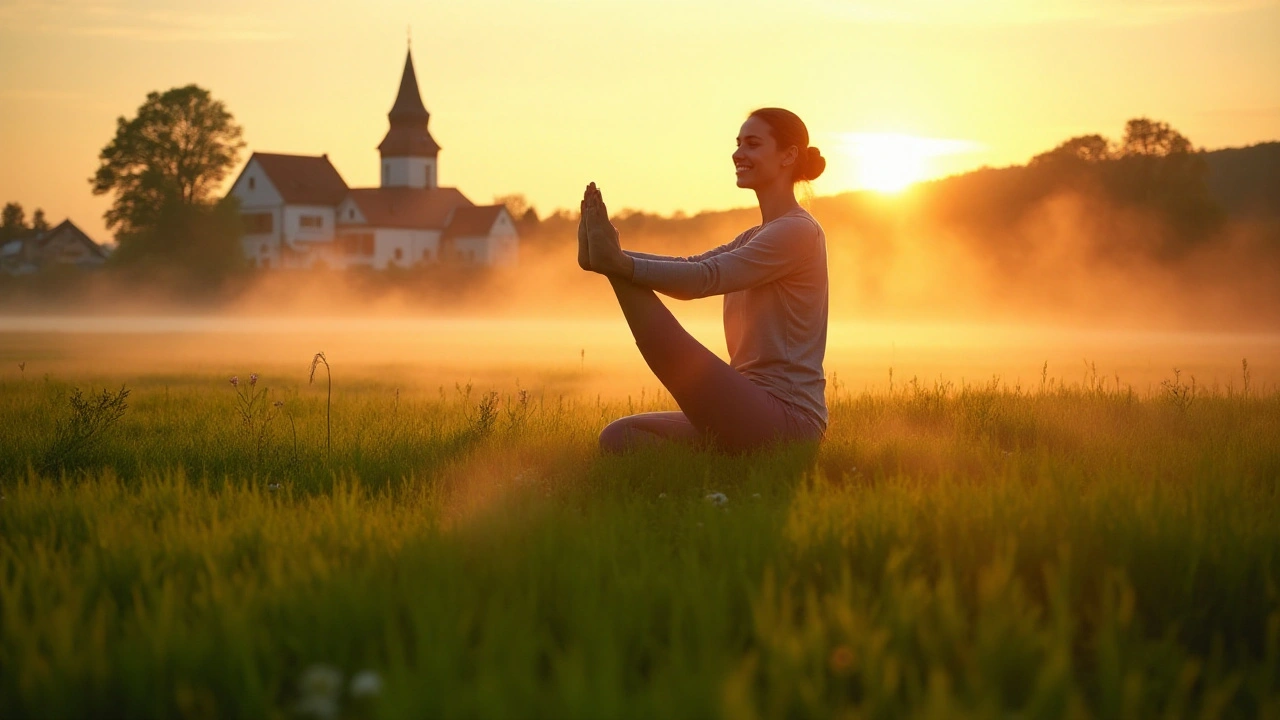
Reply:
x=947, y=552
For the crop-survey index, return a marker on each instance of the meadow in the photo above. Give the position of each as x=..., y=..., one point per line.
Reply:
x=453, y=545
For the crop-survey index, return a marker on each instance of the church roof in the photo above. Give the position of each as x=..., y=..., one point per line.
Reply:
x=475, y=221
x=303, y=179
x=413, y=208
x=408, y=105
x=408, y=136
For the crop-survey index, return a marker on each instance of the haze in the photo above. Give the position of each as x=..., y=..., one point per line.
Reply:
x=537, y=98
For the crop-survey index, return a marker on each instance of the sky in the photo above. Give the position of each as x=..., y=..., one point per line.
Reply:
x=644, y=97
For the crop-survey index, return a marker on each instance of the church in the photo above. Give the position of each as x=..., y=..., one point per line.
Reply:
x=298, y=212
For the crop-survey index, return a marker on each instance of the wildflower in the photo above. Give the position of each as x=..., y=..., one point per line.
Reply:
x=661, y=495
x=235, y=381
x=366, y=683
x=253, y=378
x=755, y=495
x=273, y=486
x=278, y=404
x=717, y=499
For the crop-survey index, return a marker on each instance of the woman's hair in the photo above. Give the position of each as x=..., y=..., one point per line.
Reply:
x=788, y=129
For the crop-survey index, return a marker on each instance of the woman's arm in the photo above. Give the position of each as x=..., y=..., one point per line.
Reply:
x=691, y=258
x=772, y=252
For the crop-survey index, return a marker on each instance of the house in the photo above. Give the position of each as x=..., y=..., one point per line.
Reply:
x=62, y=246
x=298, y=212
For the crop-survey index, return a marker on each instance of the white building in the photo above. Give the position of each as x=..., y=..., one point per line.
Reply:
x=298, y=211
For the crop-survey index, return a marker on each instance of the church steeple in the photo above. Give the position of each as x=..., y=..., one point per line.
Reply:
x=408, y=150
x=408, y=107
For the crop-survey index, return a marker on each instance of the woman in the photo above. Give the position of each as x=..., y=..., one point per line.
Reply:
x=774, y=281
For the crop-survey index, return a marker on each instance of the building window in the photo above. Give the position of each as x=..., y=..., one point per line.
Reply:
x=426, y=254
x=351, y=213
x=252, y=183
x=386, y=173
x=357, y=244
x=264, y=250
x=311, y=221
x=399, y=254
x=257, y=223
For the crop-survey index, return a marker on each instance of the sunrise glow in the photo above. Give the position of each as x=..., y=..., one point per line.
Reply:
x=891, y=162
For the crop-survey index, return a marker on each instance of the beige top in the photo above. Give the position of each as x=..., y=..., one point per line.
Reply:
x=774, y=281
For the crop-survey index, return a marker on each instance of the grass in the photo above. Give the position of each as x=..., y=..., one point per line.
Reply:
x=1073, y=551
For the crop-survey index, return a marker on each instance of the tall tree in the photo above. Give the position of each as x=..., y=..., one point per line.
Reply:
x=177, y=150
x=164, y=167
x=13, y=221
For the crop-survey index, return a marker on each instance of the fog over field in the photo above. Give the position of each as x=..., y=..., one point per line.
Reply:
x=596, y=356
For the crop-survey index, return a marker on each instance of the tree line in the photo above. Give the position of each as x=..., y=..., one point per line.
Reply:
x=164, y=166
x=13, y=222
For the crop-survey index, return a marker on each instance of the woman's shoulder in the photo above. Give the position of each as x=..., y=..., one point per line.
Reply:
x=795, y=222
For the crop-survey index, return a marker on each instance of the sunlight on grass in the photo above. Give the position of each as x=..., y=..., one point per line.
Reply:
x=953, y=551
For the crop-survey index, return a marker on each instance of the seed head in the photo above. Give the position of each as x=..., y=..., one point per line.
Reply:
x=253, y=378
x=235, y=381
x=278, y=404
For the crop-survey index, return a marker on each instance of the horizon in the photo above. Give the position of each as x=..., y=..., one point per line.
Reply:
x=944, y=90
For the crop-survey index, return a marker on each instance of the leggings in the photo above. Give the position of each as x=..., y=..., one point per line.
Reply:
x=717, y=404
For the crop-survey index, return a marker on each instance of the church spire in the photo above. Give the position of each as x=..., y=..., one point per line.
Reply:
x=408, y=136
x=408, y=105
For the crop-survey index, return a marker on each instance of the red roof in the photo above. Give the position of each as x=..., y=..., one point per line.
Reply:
x=303, y=179
x=473, y=221
x=414, y=208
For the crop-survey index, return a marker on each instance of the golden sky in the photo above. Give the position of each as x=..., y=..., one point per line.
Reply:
x=642, y=96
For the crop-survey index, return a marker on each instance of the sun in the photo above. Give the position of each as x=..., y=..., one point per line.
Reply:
x=892, y=162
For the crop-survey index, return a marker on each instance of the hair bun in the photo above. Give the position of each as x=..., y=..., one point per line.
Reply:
x=814, y=164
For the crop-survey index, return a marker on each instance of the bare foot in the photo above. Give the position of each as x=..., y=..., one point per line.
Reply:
x=602, y=237
x=584, y=249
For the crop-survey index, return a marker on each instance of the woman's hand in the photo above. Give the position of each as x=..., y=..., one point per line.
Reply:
x=605, y=254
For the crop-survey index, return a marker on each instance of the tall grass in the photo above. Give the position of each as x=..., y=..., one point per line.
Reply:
x=972, y=551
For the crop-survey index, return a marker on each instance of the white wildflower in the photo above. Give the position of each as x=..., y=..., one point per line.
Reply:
x=755, y=495
x=273, y=486
x=662, y=496
x=717, y=499
x=366, y=683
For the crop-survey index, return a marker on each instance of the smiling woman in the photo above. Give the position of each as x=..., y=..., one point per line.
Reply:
x=890, y=162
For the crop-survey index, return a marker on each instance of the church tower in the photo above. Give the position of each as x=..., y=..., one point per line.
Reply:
x=408, y=151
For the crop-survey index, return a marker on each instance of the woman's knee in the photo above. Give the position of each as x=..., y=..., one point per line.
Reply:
x=616, y=436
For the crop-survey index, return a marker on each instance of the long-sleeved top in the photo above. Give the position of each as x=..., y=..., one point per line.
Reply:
x=774, y=281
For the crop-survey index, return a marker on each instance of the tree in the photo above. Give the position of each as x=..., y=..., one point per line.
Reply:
x=177, y=150
x=13, y=221
x=1151, y=138
x=516, y=204
x=209, y=249
x=164, y=167
x=38, y=221
x=1086, y=148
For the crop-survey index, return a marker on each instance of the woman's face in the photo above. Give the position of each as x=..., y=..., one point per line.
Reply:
x=758, y=161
